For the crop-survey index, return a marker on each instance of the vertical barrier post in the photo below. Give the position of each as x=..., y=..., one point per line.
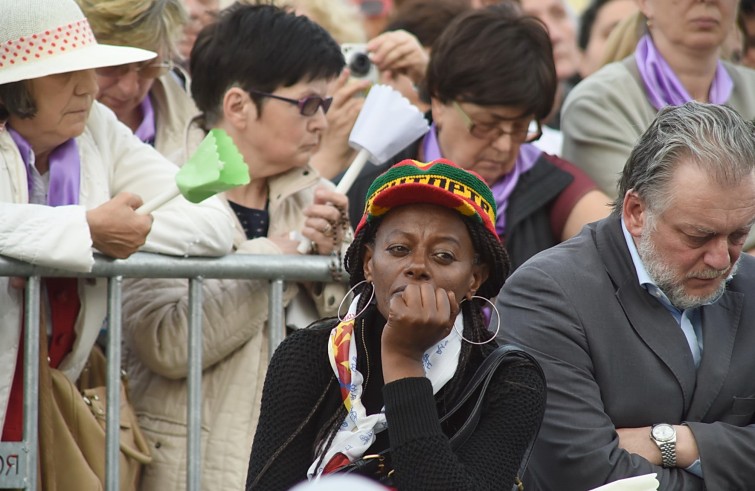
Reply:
x=113, y=433
x=275, y=317
x=31, y=380
x=194, y=410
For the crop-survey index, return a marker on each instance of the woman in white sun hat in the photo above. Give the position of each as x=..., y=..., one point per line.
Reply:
x=71, y=177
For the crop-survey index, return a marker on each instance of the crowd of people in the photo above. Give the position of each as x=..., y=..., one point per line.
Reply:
x=584, y=196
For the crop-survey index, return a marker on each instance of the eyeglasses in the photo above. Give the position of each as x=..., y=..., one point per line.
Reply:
x=491, y=131
x=145, y=70
x=373, y=8
x=307, y=105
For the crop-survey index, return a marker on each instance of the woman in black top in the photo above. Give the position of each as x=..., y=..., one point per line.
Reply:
x=425, y=255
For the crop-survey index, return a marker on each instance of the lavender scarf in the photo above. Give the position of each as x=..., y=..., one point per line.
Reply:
x=663, y=87
x=147, y=130
x=65, y=170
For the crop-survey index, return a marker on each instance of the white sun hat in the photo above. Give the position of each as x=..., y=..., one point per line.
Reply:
x=46, y=37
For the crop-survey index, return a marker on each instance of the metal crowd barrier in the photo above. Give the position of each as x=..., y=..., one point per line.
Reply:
x=18, y=460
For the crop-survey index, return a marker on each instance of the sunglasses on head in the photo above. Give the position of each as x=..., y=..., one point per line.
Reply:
x=145, y=70
x=307, y=105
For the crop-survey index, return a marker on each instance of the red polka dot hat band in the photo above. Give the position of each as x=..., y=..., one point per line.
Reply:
x=46, y=37
x=48, y=43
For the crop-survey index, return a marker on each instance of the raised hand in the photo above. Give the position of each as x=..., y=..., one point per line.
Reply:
x=335, y=153
x=420, y=316
x=327, y=223
x=401, y=52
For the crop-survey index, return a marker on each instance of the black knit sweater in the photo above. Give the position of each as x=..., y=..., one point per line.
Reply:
x=299, y=375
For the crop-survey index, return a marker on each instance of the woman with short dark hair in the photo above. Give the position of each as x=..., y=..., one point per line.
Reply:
x=262, y=75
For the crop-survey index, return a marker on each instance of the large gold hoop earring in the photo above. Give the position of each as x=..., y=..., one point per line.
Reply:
x=498, y=325
x=347, y=317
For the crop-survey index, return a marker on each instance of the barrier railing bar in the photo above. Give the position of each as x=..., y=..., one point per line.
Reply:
x=147, y=265
x=194, y=410
x=113, y=429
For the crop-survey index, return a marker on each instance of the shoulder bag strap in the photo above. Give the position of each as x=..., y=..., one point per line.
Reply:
x=481, y=380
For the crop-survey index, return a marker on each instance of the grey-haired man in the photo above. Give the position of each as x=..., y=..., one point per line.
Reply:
x=645, y=322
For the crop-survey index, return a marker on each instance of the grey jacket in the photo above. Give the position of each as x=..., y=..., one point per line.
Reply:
x=614, y=357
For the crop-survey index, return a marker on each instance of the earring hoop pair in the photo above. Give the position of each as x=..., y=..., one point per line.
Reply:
x=497, y=328
x=348, y=317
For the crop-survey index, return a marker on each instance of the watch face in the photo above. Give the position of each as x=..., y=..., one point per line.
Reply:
x=663, y=432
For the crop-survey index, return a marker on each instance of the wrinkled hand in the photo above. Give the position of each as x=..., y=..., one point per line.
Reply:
x=325, y=225
x=419, y=317
x=335, y=153
x=116, y=230
x=401, y=52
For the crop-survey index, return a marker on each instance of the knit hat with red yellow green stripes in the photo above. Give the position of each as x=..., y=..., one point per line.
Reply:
x=440, y=182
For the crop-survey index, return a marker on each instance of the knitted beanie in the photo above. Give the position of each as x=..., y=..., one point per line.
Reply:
x=440, y=182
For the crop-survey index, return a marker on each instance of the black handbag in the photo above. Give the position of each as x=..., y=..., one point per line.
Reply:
x=378, y=466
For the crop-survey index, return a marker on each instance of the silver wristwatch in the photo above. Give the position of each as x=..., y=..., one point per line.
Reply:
x=664, y=435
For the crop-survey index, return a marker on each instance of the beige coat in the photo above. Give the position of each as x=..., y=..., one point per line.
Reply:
x=235, y=354
x=174, y=109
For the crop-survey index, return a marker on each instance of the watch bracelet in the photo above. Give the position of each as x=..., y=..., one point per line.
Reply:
x=668, y=454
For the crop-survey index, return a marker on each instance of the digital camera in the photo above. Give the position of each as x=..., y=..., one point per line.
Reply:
x=358, y=62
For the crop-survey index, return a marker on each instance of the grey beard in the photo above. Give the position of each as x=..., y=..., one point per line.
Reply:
x=671, y=285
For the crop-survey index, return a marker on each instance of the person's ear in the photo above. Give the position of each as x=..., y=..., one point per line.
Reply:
x=645, y=9
x=480, y=273
x=367, y=263
x=439, y=111
x=634, y=212
x=238, y=107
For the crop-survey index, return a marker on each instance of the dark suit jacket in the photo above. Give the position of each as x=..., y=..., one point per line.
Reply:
x=614, y=357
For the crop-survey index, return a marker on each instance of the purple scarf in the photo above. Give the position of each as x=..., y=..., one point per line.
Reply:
x=663, y=87
x=430, y=146
x=65, y=170
x=146, y=130
x=502, y=189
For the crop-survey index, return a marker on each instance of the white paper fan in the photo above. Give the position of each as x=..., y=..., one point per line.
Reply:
x=387, y=123
x=647, y=482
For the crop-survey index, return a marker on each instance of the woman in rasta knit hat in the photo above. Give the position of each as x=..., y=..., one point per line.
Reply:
x=424, y=260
